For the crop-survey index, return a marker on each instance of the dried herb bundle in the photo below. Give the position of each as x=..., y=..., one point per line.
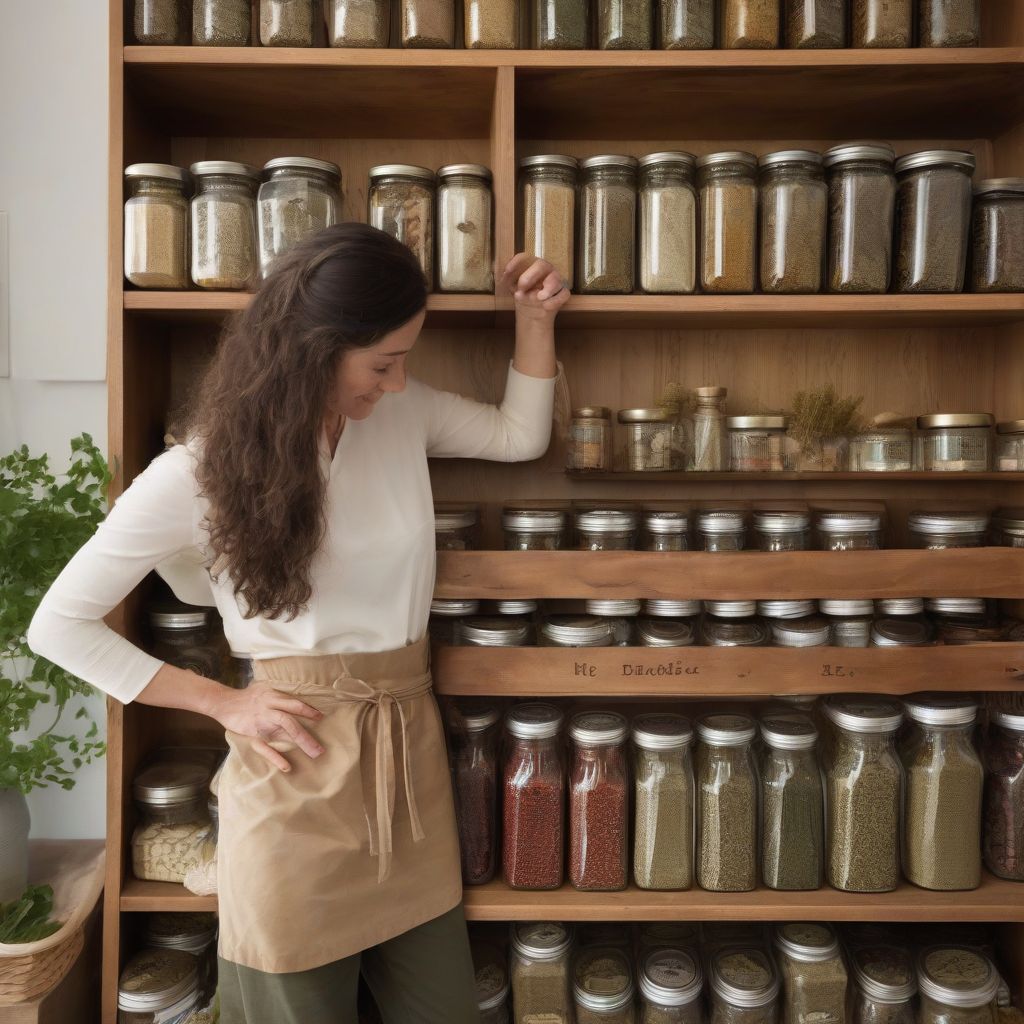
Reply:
x=821, y=413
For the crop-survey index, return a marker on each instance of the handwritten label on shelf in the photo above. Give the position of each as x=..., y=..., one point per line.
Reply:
x=837, y=672
x=665, y=668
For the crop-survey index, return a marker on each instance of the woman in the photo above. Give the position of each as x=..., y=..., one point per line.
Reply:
x=304, y=486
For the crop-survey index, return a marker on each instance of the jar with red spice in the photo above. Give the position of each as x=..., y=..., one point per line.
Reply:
x=1003, y=819
x=534, y=798
x=598, y=801
x=474, y=746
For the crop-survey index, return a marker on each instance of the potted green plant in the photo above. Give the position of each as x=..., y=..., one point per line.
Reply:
x=44, y=520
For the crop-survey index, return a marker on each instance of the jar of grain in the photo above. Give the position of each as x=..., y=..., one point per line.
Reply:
x=473, y=743
x=933, y=206
x=577, y=631
x=299, y=197
x=652, y=441
x=224, y=225
x=849, y=531
x=733, y=624
x=749, y=24
x=559, y=24
x=529, y=529
x=686, y=24
x=428, y=24
x=883, y=450
x=937, y=531
x=359, y=23
x=156, y=226
x=444, y=624
x=401, y=202
x=957, y=442
x=757, y=444
x=813, y=973
x=794, y=215
x=710, y=452
x=810, y=631
x=882, y=24
x=455, y=528
x=606, y=529
x=607, y=244
x=465, y=242
x=603, y=990
x=160, y=22
x=491, y=24
x=850, y=620
x=286, y=22
x=815, y=25
x=548, y=202
x=728, y=210
x=1004, y=795
x=949, y=23
x=900, y=632
x=1008, y=528
x=744, y=986
x=221, y=22
x=668, y=224
x=182, y=636
x=666, y=531
x=782, y=530
x=494, y=631
x=998, y=236
x=1010, y=446
x=540, y=965
x=861, y=208
x=158, y=985
x=625, y=25
x=864, y=794
x=957, y=983
x=620, y=613
x=721, y=529
x=884, y=985
x=590, y=439
x=671, y=983
x=665, y=633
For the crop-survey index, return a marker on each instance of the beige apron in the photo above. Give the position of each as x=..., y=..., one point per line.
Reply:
x=348, y=849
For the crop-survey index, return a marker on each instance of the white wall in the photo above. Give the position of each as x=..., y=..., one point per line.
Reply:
x=53, y=167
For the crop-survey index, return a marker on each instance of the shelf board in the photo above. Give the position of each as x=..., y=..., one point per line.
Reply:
x=590, y=476
x=152, y=896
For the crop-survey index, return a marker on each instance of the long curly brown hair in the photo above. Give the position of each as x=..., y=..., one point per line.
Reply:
x=260, y=407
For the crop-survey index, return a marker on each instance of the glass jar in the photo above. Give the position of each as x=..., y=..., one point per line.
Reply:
x=428, y=24
x=850, y=621
x=786, y=608
x=998, y=236
x=721, y=530
x=757, y=444
x=359, y=23
x=401, y=202
x=810, y=631
x=286, y=22
x=607, y=242
x=957, y=442
x=744, y=986
x=182, y=637
x=606, y=530
x=900, y=632
x=668, y=224
x=666, y=531
x=224, y=225
x=1008, y=528
x=861, y=209
x=559, y=25
x=727, y=798
x=444, y=624
x=949, y=23
x=733, y=624
x=194, y=933
x=882, y=24
x=939, y=530
x=652, y=441
x=534, y=799
x=465, y=243
x=794, y=215
x=494, y=631
x=666, y=633
x=158, y=985
x=577, y=631
x=944, y=780
x=603, y=990
x=899, y=607
x=221, y=22
x=864, y=794
x=539, y=966
x=663, y=802
x=815, y=25
x=849, y=531
x=728, y=210
x=156, y=226
x=548, y=202
x=473, y=742
x=956, y=607
x=454, y=529
x=933, y=205
x=687, y=609
x=749, y=25
x=883, y=450
x=491, y=24
x=492, y=983
x=160, y=22
x=590, y=439
x=782, y=530
x=529, y=529
x=884, y=985
x=299, y=197
x=620, y=615
x=671, y=984
x=958, y=985
x=813, y=973
x=710, y=454
x=658, y=935
x=686, y=24
x=1010, y=446
x=625, y=25
x=1003, y=836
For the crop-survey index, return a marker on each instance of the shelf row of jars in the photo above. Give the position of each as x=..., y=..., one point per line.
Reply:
x=854, y=220
x=566, y=24
x=789, y=811
x=240, y=220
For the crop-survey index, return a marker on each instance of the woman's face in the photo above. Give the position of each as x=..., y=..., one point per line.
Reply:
x=365, y=375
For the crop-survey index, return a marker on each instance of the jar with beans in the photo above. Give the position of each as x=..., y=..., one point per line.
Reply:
x=606, y=530
x=882, y=24
x=224, y=225
x=686, y=24
x=728, y=209
x=782, y=530
x=884, y=985
x=548, y=202
x=949, y=23
x=815, y=24
x=625, y=25
x=603, y=990
x=849, y=531
x=364, y=24
x=286, y=22
x=473, y=741
x=794, y=214
x=671, y=985
x=938, y=530
x=160, y=22
x=744, y=986
x=721, y=530
x=465, y=243
x=560, y=24
x=668, y=224
x=607, y=244
x=749, y=24
x=533, y=529
x=997, y=230
x=156, y=226
x=1003, y=836
x=666, y=531
x=428, y=24
x=958, y=985
x=540, y=969
x=401, y=202
x=221, y=22
x=956, y=442
x=1010, y=446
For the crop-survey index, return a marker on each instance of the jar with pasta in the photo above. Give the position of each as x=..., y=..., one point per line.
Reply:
x=949, y=23
x=749, y=24
x=671, y=985
x=428, y=24
x=882, y=24
x=668, y=224
x=794, y=215
x=286, y=22
x=625, y=25
x=221, y=22
x=958, y=985
x=815, y=24
x=607, y=243
x=401, y=203
x=156, y=226
x=560, y=24
x=491, y=24
x=997, y=230
x=728, y=209
x=359, y=23
x=548, y=202
x=744, y=986
x=590, y=439
x=160, y=22
x=686, y=24
x=465, y=242
x=224, y=225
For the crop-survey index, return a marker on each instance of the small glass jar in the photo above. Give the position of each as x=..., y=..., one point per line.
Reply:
x=577, y=631
x=606, y=530
x=666, y=633
x=560, y=24
x=936, y=531
x=900, y=632
x=810, y=631
x=182, y=637
x=540, y=972
x=663, y=800
x=473, y=742
x=359, y=23
x=949, y=23
x=666, y=531
x=849, y=531
x=727, y=804
x=884, y=985
x=590, y=439
x=195, y=933
x=625, y=25
x=686, y=24
x=156, y=226
x=428, y=24
x=652, y=441
x=933, y=206
x=883, y=450
x=782, y=530
x=749, y=25
x=813, y=971
x=957, y=442
x=958, y=985
x=815, y=25
x=286, y=22
x=224, y=225
x=733, y=624
x=861, y=205
x=1008, y=528
x=444, y=624
x=710, y=453
x=529, y=529
x=221, y=22
x=534, y=799
x=864, y=794
x=882, y=24
x=620, y=614
x=492, y=983
x=1003, y=835
x=158, y=985
x=757, y=444
x=160, y=22
x=668, y=224
x=671, y=984
x=997, y=231
x=721, y=530
x=494, y=631
x=491, y=24
x=603, y=990
x=299, y=197
x=899, y=607
x=607, y=241
x=850, y=621
x=548, y=202
x=794, y=217
x=465, y=243
x=1010, y=446
x=728, y=210
x=455, y=529
x=401, y=202
x=744, y=986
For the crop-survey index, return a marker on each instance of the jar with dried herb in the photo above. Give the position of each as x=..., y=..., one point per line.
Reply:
x=491, y=24
x=607, y=244
x=588, y=446
x=949, y=23
x=540, y=973
x=548, y=202
x=401, y=203
x=465, y=245
x=160, y=22
x=156, y=226
x=668, y=224
x=884, y=985
x=749, y=25
x=728, y=210
x=710, y=452
x=744, y=986
x=560, y=24
x=428, y=24
x=224, y=225
x=997, y=231
x=686, y=24
x=882, y=24
x=813, y=974
x=359, y=23
x=286, y=22
x=221, y=22
x=815, y=24
x=1004, y=795
x=625, y=25
x=455, y=528
x=782, y=530
x=666, y=531
x=473, y=742
x=958, y=985
x=158, y=985
x=603, y=989
x=671, y=984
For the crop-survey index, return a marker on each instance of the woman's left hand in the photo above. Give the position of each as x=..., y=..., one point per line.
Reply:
x=536, y=286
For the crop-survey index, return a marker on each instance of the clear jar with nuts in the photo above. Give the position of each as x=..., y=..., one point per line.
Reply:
x=728, y=209
x=401, y=202
x=794, y=216
x=156, y=226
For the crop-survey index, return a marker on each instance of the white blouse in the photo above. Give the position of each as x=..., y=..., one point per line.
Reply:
x=373, y=578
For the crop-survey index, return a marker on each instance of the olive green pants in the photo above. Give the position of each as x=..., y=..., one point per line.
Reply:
x=425, y=976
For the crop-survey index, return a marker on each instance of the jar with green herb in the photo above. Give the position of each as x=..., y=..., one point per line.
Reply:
x=686, y=24
x=813, y=974
x=744, y=986
x=540, y=973
x=671, y=985
x=560, y=24
x=958, y=985
x=160, y=22
x=603, y=989
x=884, y=985
x=156, y=226
x=815, y=24
x=221, y=22
x=286, y=22
x=625, y=25
x=607, y=245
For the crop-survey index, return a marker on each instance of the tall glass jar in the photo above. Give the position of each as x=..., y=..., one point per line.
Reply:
x=958, y=985
x=607, y=242
x=603, y=989
x=1003, y=841
x=794, y=216
x=815, y=24
x=792, y=822
x=548, y=202
x=160, y=22
x=849, y=531
x=949, y=23
x=473, y=741
x=401, y=202
x=359, y=23
x=286, y=22
x=728, y=210
x=606, y=529
x=721, y=530
x=221, y=22
x=864, y=794
x=782, y=530
x=491, y=24
x=1010, y=446
x=534, y=798
x=560, y=24
x=749, y=25
x=666, y=531
x=727, y=798
x=465, y=243
x=686, y=24
x=933, y=206
x=156, y=226
x=224, y=225
x=744, y=986
x=936, y=531
x=813, y=973
x=182, y=637
x=757, y=444
x=540, y=971
x=956, y=442
x=944, y=780
x=671, y=985
x=428, y=24
x=668, y=224
x=158, y=985
x=299, y=197
x=882, y=24
x=625, y=25
x=997, y=230
x=850, y=621
x=884, y=985
x=530, y=529
x=652, y=441
x=664, y=802
x=710, y=453
x=590, y=439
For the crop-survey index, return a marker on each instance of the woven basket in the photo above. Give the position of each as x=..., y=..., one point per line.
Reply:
x=24, y=978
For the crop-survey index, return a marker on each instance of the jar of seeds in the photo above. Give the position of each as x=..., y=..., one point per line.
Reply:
x=182, y=636
x=603, y=990
x=727, y=797
x=864, y=794
x=936, y=531
x=958, y=985
x=933, y=205
x=221, y=22
x=1008, y=528
x=813, y=974
x=733, y=624
x=548, y=202
x=884, y=985
x=559, y=24
x=668, y=224
x=491, y=24
x=606, y=530
x=944, y=779
x=721, y=530
x=652, y=441
x=997, y=230
x=744, y=986
x=949, y=23
x=794, y=215
x=494, y=631
x=286, y=22
x=539, y=967
x=224, y=225
x=782, y=530
x=473, y=743
x=299, y=197
x=590, y=439
x=749, y=24
x=465, y=246
x=156, y=226
x=577, y=631
x=454, y=528
x=728, y=210
x=607, y=241
x=160, y=22
x=849, y=531
x=883, y=450
x=882, y=24
x=1003, y=837
x=815, y=24
x=710, y=452
x=850, y=621
x=671, y=983
x=1010, y=446
x=444, y=625
x=428, y=24
x=957, y=442
x=533, y=529
x=359, y=23
x=158, y=985
x=861, y=210
x=620, y=614
x=686, y=24
x=757, y=444
x=401, y=202
x=625, y=25
x=666, y=531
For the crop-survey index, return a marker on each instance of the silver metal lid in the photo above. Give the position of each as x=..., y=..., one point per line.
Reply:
x=807, y=942
x=445, y=521
x=478, y=719
x=941, y=709
x=744, y=976
x=884, y=973
x=606, y=521
x=812, y=631
x=936, y=158
x=731, y=609
x=947, y=522
x=850, y=151
x=756, y=422
x=424, y=174
x=720, y=520
x=899, y=633
x=668, y=158
x=515, y=607
x=673, y=609
x=661, y=522
x=627, y=163
x=303, y=163
x=612, y=606
x=193, y=619
x=990, y=186
x=661, y=731
x=1009, y=720
x=494, y=631
x=598, y=728
x=741, y=633
x=465, y=170
x=884, y=433
x=157, y=979
x=781, y=609
x=592, y=412
x=726, y=730
x=531, y=520
x=578, y=631
x=957, y=976
x=899, y=605
x=849, y=522
x=789, y=731
x=205, y=167
x=1010, y=427
x=541, y=940
x=939, y=420
x=671, y=977
x=956, y=605
x=454, y=608
x=665, y=633
x=612, y=980
x=550, y=160
x=644, y=416
x=776, y=521
x=167, y=172
x=534, y=721
x=168, y=783
x=846, y=606
x=727, y=156
x=791, y=156
x=858, y=713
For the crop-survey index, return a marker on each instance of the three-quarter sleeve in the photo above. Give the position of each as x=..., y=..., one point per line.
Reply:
x=151, y=521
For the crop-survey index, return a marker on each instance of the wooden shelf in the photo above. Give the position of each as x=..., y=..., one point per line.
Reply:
x=152, y=896
x=589, y=476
